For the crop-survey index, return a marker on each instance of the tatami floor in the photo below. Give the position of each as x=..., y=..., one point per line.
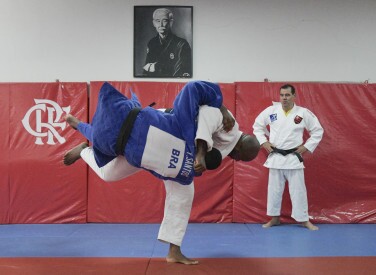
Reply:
x=220, y=248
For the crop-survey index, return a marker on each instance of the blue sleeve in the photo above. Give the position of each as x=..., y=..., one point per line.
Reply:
x=187, y=102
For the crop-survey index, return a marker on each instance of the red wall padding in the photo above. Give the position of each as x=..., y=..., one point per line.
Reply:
x=340, y=175
x=140, y=198
x=4, y=155
x=35, y=186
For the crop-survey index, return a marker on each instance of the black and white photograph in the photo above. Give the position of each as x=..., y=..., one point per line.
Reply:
x=163, y=38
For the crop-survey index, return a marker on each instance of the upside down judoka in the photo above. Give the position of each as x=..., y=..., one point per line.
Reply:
x=161, y=143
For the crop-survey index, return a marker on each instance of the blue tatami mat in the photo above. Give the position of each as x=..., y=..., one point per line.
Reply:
x=201, y=241
x=78, y=240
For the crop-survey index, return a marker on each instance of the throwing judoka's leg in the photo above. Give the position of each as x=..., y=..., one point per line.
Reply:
x=178, y=205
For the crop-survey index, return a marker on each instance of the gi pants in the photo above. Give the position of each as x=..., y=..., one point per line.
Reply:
x=297, y=190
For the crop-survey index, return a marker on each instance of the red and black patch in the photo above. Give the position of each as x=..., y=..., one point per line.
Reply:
x=298, y=119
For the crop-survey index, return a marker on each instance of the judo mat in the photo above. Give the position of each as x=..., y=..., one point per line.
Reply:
x=229, y=248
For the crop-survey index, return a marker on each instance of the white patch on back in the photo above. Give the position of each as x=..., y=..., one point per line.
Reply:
x=163, y=153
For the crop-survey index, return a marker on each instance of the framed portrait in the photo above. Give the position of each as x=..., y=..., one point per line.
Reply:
x=163, y=41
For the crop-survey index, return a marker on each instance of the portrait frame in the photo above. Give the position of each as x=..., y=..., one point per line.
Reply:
x=163, y=51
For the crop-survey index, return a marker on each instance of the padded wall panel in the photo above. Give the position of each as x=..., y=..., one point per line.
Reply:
x=249, y=177
x=4, y=156
x=213, y=190
x=339, y=175
x=140, y=197
x=42, y=189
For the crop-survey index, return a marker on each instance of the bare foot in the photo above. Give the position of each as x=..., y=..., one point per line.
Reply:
x=175, y=256
x=72, y=121
x=74, y=154
x=273, y=222
x=309, y=225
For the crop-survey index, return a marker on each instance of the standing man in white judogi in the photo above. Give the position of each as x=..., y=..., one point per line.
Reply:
x=285, y=146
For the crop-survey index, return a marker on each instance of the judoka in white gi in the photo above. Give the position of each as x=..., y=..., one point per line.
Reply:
x=179, y=197
x=285, y=146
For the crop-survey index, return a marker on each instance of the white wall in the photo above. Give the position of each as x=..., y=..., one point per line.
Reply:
x=238, y=40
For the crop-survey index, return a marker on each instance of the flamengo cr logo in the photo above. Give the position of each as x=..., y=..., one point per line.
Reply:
x=54, y=112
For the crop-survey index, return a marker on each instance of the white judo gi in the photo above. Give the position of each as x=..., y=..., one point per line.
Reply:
x=179, y=198
x=286, y=132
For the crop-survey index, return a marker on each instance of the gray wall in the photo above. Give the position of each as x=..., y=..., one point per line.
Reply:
x=239, y=40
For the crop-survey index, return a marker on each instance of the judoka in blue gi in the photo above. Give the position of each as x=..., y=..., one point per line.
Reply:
x=162, y=143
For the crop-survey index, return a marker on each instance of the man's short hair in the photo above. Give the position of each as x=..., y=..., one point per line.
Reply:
x=251, y=146
x=286, y=86
x=165, y=11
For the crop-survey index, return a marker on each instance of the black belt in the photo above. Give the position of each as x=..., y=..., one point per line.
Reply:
x=169, y=110
x=126, y=130
x=286, y=152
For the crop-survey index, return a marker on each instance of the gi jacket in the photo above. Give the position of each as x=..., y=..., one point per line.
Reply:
x=162, y=143
x=173, y=57
x=286, y=132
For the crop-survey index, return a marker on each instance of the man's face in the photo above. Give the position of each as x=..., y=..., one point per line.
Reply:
x=162, y=23
x=287, y=98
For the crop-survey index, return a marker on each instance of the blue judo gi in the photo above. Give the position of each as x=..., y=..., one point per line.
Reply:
x=161, y=143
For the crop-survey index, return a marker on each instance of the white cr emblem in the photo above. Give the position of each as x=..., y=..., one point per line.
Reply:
x=46, y=129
